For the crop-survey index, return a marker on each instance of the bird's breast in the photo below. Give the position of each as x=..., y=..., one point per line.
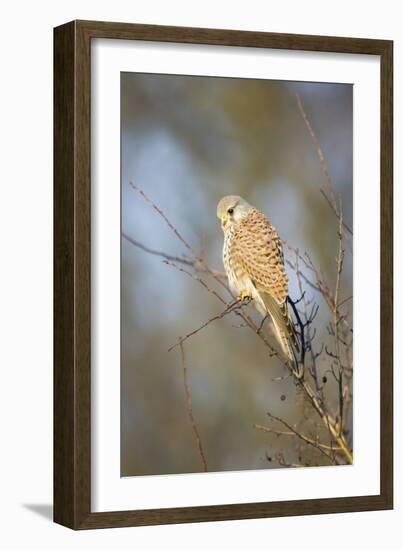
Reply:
x=237, y=277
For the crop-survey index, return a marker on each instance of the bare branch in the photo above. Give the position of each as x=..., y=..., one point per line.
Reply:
x=248, y=321
x=194, y=263
x=329, y=202
x=197, y=279
x=231, y=308
x=190, y=409
x=336, y=318
x=179, y=236
x=156, y=252
x=332, y=201
x=163, y=216
x=307, y=440
x=303, y=438
x=321, y=156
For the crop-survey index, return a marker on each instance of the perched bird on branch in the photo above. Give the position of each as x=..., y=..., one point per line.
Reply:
x=254, y=263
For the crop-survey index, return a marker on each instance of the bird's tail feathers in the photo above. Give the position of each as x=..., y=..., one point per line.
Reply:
x=283, y=325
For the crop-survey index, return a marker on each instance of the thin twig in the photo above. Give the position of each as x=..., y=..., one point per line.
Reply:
x=329, y=202
x=157, y=252
x=307, y=440
x=248, y=321
x=231, y=308
x=328, y=420
x=321, y=156
x=332, y=201
x=190, y=409
x=180, y=237
x=178, y=259
x=319, y=285
x=197, y=279
x=161, y=213
x=314, y=369
x=336, y=317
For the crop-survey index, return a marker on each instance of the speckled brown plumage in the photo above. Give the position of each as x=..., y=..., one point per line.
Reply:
x=254, y=263
x=252, y=248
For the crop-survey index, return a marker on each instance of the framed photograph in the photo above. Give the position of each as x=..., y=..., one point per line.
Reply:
x=222, y=274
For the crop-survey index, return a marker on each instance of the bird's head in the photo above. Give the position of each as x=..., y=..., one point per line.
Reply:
x=232, y=209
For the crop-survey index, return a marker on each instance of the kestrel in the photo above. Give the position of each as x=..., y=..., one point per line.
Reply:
x=254, y=263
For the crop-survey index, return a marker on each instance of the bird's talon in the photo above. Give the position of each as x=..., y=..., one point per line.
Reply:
x=244, y=294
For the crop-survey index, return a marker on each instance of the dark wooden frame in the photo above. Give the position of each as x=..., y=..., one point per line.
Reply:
x=72, y=320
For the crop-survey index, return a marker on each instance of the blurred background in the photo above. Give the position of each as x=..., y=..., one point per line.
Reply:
x=188, y=141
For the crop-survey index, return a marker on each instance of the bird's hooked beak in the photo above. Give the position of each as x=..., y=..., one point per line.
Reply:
x=224, y=221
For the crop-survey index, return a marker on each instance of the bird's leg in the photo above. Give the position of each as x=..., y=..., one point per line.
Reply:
x=244, y=294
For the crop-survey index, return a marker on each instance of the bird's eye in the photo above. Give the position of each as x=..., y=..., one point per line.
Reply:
x=230, y=211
